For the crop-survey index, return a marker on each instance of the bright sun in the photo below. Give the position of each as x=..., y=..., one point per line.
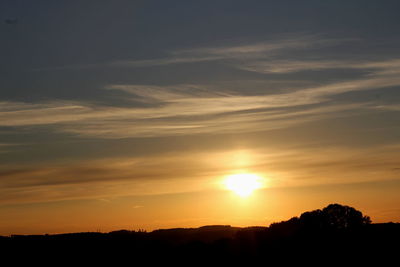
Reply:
x=243, y=184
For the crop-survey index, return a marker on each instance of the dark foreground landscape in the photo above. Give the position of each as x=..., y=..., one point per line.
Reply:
x=334, y=234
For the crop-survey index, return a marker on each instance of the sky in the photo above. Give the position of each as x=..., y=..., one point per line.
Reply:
x=130, y=114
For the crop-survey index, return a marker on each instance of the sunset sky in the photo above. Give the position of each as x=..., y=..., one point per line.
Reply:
x=133, y=114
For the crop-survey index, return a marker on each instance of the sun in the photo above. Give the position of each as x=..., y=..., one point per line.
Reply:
x=243, y=184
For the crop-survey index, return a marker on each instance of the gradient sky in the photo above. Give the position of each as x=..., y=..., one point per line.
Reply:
x=129, y=114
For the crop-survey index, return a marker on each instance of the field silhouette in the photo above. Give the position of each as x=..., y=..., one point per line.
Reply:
x=336, y=234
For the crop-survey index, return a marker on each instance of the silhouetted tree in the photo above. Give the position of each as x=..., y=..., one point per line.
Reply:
x=334, y=216
x=344, y=217
x=312, y=220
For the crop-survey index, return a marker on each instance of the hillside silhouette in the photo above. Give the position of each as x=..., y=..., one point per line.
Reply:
x=336, y=233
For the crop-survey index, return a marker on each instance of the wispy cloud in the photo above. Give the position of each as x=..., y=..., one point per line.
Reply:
x=245, y=121
x=190, y=109
x=183, y=109
x=176, y=115
x=389, y=107
x=105, y=178
x=264, y=49
x=6, y=147
x=238, y=51
x=295, y=65
x=177, y=172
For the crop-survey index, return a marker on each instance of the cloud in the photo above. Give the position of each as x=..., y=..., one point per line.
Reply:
x=164, y=61
x=250, y=121
x=105, y=178
x=179, y=172
x=388, y=107
x=183, y=109
x=264, y=49
x=193, y=109
x=238, y=52
x=296, y=65
x=6, y=147
x=175, y=116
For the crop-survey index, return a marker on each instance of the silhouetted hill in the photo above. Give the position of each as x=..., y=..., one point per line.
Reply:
x=337, y=233
x=205, y=234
